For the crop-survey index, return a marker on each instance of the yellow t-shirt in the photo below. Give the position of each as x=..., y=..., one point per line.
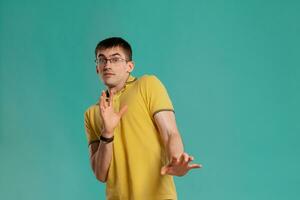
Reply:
x=138, y=151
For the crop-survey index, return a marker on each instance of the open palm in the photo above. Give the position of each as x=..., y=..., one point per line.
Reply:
x=179, y=166
x=109, y=116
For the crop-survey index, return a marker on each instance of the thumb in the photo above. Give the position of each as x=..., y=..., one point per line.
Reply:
x=123, y=110
x=164, y=170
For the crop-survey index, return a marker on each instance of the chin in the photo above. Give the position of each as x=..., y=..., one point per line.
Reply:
x=109, y=83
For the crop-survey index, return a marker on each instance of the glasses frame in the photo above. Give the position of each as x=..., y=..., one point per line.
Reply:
x=110, y=61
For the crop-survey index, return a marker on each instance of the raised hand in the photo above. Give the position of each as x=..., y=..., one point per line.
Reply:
x=179, y=166
x=109, y=116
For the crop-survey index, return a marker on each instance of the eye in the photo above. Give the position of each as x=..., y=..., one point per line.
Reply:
x=114, y=60
x=102, y=60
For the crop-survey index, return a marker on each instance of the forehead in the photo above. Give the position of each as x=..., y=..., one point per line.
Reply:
x=114, y=51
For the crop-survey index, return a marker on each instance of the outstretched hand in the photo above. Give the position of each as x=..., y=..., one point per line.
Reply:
x=179, y=166
x=109, y=116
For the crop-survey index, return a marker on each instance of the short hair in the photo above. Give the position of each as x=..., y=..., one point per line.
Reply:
x=115, y=42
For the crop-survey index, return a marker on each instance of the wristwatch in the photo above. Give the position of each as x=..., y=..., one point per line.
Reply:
x=106, y=140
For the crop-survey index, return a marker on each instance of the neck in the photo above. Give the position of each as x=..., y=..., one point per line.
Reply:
x=118, y=87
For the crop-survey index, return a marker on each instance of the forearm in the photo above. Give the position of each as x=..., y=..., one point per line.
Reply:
x=101, y=161
x=102, y=157
x=174, y=145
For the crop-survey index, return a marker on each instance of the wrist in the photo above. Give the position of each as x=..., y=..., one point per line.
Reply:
x=106, y=140
x=106, y=133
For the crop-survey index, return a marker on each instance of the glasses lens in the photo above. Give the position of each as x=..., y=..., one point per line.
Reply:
x=114, y=60
x=101, y=61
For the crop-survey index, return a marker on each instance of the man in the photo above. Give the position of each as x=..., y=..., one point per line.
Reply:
x=134, y=144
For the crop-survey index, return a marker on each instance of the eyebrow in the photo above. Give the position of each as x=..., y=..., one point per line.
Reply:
x=114, y=54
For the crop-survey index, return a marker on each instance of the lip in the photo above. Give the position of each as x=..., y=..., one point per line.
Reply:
x=108, y=74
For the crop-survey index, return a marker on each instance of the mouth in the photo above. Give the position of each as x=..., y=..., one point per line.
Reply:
x=108, y=74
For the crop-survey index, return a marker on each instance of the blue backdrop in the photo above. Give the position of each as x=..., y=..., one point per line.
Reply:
x=231, y=68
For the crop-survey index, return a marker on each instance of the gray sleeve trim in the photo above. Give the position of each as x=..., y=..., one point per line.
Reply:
x=162, y=110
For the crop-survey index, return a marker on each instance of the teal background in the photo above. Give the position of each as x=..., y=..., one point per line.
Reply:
x=231, y=68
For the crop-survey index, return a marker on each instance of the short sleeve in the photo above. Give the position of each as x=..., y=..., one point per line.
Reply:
x=155, y=95
x=90, y=133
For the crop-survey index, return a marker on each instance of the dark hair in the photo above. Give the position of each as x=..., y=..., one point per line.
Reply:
x=115, y=42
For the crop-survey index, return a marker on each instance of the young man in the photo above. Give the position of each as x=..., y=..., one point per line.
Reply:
x=134, y=144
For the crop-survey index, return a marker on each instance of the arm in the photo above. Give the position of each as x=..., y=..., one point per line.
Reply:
x=178, y=159
x=100, y=157
x=101, y=152
x=169, y=133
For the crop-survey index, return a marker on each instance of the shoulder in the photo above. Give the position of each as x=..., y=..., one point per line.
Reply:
x=148, y=79
x=150, y=85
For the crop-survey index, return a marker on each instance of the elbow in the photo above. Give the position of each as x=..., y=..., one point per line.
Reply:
x=99, y=174
x=101, y=177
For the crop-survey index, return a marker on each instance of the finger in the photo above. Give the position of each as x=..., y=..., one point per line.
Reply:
x=101, y=103
x=194, y=166
x=102, y=93
x=174, y=160
x=111, y=97
x=164, y=170
x=191, y=158
x=181, y=159
x=123, y=110
x=102, y=100
x=185, y=158
x=106, y=98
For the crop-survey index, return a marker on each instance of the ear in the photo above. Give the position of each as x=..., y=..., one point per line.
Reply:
x=97, y=70
x=130, y=66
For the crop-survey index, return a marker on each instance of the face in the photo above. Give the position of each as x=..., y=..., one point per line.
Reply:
x=114, y=73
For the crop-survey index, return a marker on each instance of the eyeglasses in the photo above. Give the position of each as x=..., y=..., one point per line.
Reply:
x=114, y=60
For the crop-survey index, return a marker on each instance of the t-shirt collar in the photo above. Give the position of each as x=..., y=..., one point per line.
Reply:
x=130, y=79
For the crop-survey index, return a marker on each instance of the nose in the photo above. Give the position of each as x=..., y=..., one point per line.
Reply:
x=106, y=67
x=107, y=63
